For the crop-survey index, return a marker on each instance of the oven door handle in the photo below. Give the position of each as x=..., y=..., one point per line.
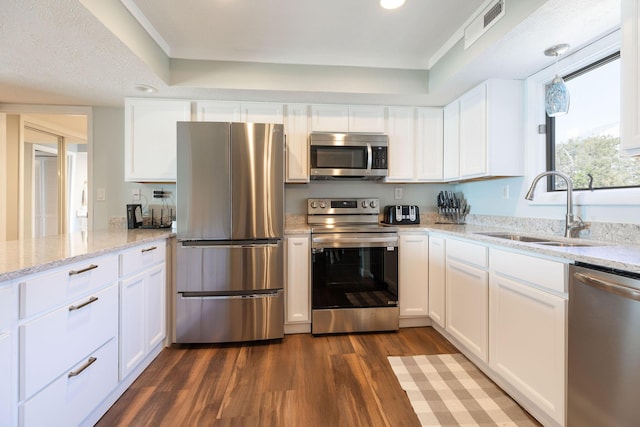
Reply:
x=354, y=242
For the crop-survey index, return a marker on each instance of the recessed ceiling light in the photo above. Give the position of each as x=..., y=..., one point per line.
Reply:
x=146, y=88
x=391, y=4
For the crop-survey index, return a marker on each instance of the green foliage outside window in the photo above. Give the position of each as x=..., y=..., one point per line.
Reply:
x=600, y=157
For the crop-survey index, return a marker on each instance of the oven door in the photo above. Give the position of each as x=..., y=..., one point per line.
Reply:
x=354, y=282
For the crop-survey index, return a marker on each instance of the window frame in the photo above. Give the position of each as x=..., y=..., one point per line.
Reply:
x=550, y=125
x=535, y=140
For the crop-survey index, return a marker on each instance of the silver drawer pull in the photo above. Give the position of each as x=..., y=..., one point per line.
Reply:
x=88, y=363
x=84, y=270
x=152, y=248
x=84, y=304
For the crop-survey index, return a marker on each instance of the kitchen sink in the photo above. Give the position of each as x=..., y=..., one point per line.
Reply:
x=535, y=240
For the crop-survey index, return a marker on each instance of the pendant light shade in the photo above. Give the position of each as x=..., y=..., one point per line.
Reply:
x=556, y=100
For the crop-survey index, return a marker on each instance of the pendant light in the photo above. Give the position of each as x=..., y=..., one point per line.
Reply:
x=556, y=100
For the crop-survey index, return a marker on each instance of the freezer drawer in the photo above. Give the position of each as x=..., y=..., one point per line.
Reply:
x=217, y=319
x=223, y=268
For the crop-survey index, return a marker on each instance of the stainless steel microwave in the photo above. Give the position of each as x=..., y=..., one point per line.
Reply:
x=348, y=155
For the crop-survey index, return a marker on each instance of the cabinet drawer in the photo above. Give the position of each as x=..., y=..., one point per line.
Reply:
x=53, y=343
x=141, y=257
x=70, y=399
x=56, y=287
x=469, y=253
x=543, y=273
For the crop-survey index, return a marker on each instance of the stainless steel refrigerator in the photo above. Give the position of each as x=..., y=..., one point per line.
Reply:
x=230, y=222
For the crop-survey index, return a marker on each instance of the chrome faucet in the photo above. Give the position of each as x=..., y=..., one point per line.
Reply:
x=572, y=226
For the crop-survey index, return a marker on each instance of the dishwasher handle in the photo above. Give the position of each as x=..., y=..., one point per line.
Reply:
x=607, y=286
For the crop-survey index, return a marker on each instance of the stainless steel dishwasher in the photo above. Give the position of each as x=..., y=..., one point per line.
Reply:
x=604, y=347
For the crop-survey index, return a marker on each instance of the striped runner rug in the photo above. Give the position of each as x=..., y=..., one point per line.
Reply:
x=448, y=390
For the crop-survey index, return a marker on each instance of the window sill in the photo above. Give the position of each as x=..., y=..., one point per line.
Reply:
x=622, y=196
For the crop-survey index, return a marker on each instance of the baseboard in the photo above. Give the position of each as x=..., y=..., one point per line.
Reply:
x=414, y=322
x=297, y=328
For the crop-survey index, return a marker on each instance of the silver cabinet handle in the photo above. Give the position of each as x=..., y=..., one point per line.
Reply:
x=152, y=248
x=84, y=304
x=84, y=270
x=608, y=286
x=77, y=372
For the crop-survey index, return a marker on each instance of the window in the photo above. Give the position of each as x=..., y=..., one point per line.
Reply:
x=585, y=143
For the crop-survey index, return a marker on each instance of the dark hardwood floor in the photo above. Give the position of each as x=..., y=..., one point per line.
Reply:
x=333, y=380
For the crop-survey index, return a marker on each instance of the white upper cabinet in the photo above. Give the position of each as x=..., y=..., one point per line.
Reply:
x=366, y=118
x=347, y=118
x=218, y=111
x=262, y=112
x=150, y=138
x=630, y=73
x=296, y=128
x=252, y=112
x=415, y=144
x=451, y=146
x=330, y=118
x=490, y=131
x=428, y=148
x=401, y=124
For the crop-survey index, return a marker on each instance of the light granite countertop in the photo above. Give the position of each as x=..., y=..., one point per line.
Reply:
x=603, y=253
x=26, y=256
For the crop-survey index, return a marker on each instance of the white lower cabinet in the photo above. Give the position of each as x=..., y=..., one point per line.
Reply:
x=142, y=303
x=68, y=341
x=467, y=296
x=527, y=327
x=8, y=354
x=72, y=396
x=413, y=269
x=437, y=277
x=298, y=285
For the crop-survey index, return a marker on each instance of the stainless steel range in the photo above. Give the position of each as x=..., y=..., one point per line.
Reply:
x=354, y=267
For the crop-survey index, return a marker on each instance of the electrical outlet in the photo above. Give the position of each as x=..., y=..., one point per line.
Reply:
x=100, y=195
x=135, y=195
x=505, y=192
x=397, y=193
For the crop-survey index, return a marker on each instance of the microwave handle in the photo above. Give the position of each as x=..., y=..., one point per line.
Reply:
x=369, y=156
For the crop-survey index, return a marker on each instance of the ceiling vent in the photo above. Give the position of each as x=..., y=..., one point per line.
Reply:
x=485, y=20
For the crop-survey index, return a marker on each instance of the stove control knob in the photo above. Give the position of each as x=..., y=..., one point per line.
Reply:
x=373, y=204
x=323, y=205
x=314, y=205
x=365, y=203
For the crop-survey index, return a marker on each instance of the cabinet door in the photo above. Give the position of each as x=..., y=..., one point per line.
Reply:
x=218, y=111
x=630, y=69
x=451, y=150
x=413, y=273
x=151, y=137
x=132, y=323
x=298, y=284
x=156, y=325
x=330, y=118
x=437, y=280
x=467, y=294
x=366, y=118
x=262, y=112
x=401, y=144
x=297, y=143
x=473, y=132
x=527, y=347
x=429, y=140
x=7, y=389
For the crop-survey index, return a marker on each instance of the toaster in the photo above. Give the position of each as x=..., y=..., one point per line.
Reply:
x=401, y=214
